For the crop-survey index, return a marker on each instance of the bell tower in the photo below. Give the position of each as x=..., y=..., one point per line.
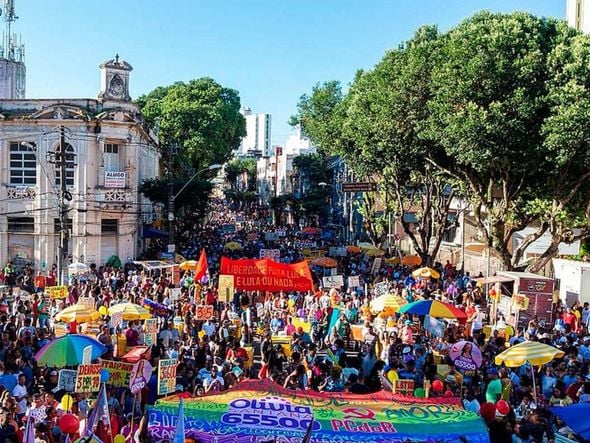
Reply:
x=114, y=80
x=12, y=57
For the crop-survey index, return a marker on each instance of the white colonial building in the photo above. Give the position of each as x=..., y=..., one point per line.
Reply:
x=109, y=153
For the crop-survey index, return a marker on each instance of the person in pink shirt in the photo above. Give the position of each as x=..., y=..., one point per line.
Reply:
x=289, y=328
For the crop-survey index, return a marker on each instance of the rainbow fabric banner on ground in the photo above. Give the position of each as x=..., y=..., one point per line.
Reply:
x=260, y=410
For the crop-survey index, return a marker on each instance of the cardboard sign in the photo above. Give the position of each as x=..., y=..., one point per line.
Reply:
x=204, y=312
x=175, y=275
x=381, y=288
x=333, y=281
x=150, y=326
x=150, y=339
x=167, y=376
x=140, y=376
x=67, y=380
x=174, y=294
x=376, y=265
x=87, y=301
x=88, y=378
x=271, y=236
x=120, y=372
x=57, y=291
x=354, y=281
x=226, y=288
x=87, y=355
x=116, y=319
x=273, y=254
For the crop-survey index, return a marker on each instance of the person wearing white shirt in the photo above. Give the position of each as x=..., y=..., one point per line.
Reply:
x=20, y=394
x=214, y=382
x=209, y=328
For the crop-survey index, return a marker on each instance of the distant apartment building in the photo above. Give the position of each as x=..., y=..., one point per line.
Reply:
x=257, y=141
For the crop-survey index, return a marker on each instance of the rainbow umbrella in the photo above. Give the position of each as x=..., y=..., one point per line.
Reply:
x=68, y=351
x=434, y=308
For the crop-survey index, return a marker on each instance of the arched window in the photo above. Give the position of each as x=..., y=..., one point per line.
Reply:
x=69, y=167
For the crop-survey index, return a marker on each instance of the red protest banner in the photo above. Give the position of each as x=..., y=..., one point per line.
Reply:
x=267, y=275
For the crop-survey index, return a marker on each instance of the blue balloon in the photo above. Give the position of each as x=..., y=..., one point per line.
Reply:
x=104, y=375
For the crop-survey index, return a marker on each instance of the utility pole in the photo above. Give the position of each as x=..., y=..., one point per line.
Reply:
x=64, y=195
x=171, y=245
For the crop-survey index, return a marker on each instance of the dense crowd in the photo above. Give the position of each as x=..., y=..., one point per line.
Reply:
x=299, y=340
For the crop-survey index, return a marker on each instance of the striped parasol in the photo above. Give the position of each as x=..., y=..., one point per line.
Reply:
x=433, y=308
x=535, y=353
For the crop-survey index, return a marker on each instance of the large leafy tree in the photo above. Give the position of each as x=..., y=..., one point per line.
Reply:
x=487, y=112
x=201, y=118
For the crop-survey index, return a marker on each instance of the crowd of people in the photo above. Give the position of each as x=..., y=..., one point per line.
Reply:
x=298, y=340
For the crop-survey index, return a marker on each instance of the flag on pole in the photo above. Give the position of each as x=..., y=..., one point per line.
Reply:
x=29, y=436
x=179, y=433
x=202, y=268
x=307, y=436
x=99, y=412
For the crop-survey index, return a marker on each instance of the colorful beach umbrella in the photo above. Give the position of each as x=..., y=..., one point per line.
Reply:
x=68, y=351
x=389, y=303
x=325, y=262
x=233, y=246
x=426, y=273
x=533, y=352
x=78, y=313
x=130, y=311
x=352, y=249
x=365, y=246
x=188, y=265
x=433, y=308
x=411, y=260
x=375, y=252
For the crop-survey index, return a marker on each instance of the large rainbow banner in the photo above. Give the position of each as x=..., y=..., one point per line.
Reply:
x=258, y=411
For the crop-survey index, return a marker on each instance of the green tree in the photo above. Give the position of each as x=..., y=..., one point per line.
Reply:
x=487, y=113
x=201, y=117
x=192, y=202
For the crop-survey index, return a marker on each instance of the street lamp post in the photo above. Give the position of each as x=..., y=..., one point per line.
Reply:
x=172, y=199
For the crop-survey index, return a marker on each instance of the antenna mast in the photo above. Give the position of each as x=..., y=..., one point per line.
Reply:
x=10, y=48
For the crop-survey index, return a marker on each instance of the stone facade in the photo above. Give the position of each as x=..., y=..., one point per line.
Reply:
x=111, y=153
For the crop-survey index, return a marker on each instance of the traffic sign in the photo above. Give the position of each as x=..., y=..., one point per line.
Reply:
x=359, y=187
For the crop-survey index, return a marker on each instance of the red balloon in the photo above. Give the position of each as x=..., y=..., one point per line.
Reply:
x=502, y=407
x=69, y=423
x=449, y=394
x=437, y=386
x=492, y=292
x=488, y=411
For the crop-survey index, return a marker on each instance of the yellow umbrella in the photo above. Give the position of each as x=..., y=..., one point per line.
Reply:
x=411, y=260
x=426, y=273
x=392, y=260
x=387, y=303
x=535, y=353
x=233, y=246
x=130, y=311
x=325, y=262
x=188, y=265
x=365, y=246
x=375, y=252
x=78, y=313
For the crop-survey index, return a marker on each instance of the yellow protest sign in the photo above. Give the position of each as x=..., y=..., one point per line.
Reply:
x=57, y=291
x=226, y=288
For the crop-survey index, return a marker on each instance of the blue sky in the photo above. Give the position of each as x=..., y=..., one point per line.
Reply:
x=271, y=51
